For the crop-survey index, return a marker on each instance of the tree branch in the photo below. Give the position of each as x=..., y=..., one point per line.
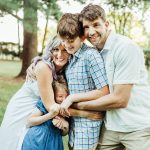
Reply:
x=9, y=12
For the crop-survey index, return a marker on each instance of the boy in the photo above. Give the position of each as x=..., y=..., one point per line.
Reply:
x=86, y=80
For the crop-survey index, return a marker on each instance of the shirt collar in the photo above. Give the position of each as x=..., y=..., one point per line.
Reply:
x=78, y=53
x=109, y=42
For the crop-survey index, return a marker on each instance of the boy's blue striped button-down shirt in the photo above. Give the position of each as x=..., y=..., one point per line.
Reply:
x=85, y=72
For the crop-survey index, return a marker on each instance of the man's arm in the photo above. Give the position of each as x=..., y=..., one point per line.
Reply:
x=117, y=99
x=79, y=97
x=94, y=115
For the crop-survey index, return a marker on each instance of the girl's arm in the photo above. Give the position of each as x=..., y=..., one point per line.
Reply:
x=62, y=124
x=44, y=79
x=37, y=117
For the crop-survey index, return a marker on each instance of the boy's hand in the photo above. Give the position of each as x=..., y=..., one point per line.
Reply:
x=54, y=109
x=64, y=107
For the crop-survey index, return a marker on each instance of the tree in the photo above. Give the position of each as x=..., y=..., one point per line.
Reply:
x=30, y=34
x=30, y=19
x=51, y=11
x=121, y=13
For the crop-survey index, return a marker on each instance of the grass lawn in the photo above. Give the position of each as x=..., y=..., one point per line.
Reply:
x=9, y=85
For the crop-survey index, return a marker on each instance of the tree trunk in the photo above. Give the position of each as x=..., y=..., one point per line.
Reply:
x=45, y=31
x=30, y=34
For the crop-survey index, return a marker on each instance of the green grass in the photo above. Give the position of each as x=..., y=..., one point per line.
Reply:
x=9, y=85
x=9, y=68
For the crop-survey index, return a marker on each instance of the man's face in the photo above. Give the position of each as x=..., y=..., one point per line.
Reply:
x=72, y=45
x=96, y=31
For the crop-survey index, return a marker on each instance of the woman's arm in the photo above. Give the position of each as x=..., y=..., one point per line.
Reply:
x=37, y=117
x=44, y=79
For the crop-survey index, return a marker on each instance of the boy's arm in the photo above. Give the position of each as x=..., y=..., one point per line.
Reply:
x=37, y=117
x=97, y=71
x=81, y=97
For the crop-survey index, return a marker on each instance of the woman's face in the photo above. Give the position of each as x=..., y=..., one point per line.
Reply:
x=60, y=57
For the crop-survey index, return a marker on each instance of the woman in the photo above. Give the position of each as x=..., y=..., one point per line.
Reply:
x=13, y=127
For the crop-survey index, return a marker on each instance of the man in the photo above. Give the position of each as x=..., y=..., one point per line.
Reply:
x=127, y=122
x=85, y=73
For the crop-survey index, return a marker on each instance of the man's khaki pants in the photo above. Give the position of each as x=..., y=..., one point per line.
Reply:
x=112, y=140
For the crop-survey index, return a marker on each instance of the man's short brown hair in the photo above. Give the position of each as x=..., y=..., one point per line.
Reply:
x=92, y=12
x=69, y=26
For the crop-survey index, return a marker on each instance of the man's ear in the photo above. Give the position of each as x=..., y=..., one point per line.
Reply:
x=83, y=38
x=107, y=23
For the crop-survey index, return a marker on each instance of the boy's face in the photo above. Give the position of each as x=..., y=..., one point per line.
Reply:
x=72, y=45
x=96, y=32
x=60, y=95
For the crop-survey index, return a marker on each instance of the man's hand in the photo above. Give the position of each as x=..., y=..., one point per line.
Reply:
x=31, y=73
x=96, y=115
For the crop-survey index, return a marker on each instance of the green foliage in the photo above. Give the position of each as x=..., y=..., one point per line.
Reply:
x=121, y=13
x=48, y=7
x=10, y=7
x=147, y=58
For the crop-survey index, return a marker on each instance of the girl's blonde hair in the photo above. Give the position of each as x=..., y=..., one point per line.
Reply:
x=60, y=83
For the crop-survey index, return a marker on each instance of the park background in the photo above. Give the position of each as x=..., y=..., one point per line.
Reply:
x=27, y=25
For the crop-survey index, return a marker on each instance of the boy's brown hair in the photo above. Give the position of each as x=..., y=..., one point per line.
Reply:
x=60, y=83
x=69, y=26
x=92, y=12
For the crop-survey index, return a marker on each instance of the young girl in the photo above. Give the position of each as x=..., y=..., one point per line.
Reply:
x=43, y=135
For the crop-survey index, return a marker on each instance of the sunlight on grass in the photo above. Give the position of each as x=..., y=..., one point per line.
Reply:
x=10, y=68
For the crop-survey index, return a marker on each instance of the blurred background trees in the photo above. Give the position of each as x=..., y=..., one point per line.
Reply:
x=30, y=10
x=126, y=16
